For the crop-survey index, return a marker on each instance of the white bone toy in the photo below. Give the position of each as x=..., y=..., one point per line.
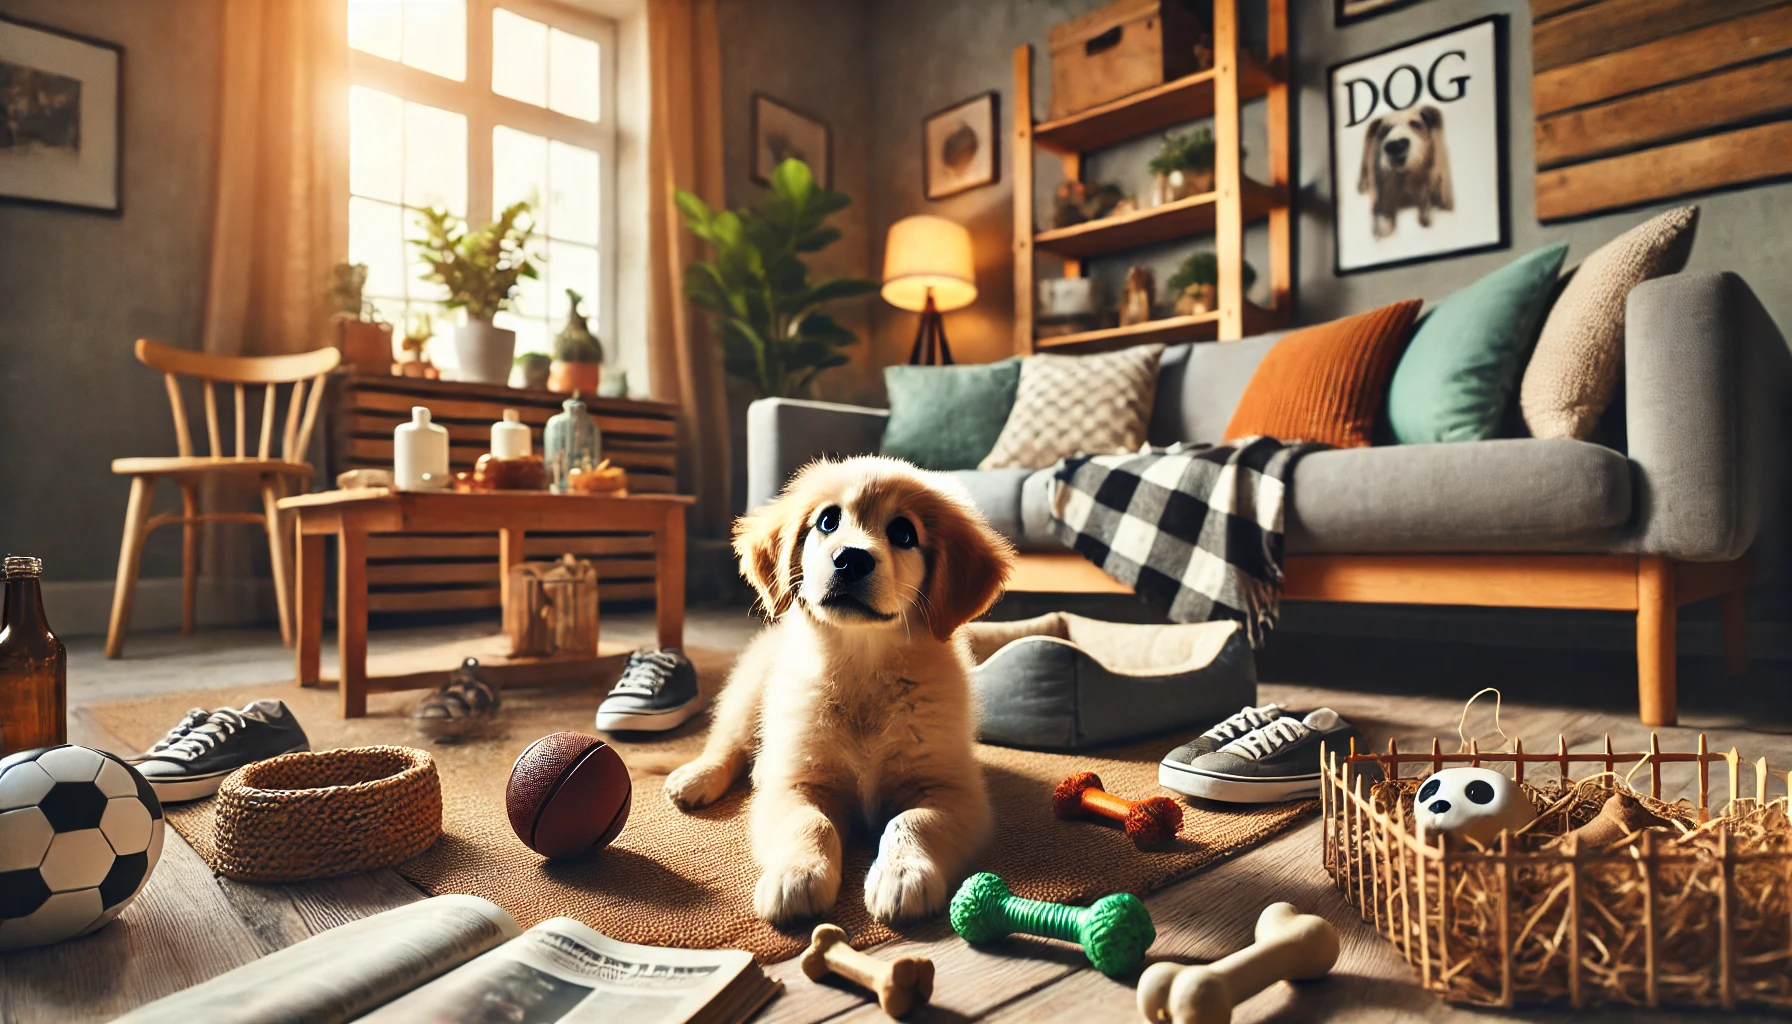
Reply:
x=901, y=985
x=1290, y=946
x=1471, y=803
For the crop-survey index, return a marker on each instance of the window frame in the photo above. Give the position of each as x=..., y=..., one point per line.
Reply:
x=485, y=110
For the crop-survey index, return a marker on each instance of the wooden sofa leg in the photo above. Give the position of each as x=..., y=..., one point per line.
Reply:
x=1735, y=622
x=1657, y=616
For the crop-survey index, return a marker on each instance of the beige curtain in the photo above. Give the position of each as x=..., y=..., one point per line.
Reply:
x=281, y=214
x=685, y=151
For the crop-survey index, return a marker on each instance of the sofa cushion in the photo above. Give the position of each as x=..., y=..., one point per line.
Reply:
x=948, y=417
x=1067, y=405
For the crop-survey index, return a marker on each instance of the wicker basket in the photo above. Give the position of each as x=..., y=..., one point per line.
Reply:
x=315, y=815
x=1702, y=918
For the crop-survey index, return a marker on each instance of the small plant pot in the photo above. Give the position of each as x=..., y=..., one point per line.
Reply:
x=566, y=378
x=1198, y=298
x=531, y=372
x=485, y=352
x=1167, y=188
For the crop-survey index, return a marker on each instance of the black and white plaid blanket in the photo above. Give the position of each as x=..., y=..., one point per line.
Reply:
x=1196, y=532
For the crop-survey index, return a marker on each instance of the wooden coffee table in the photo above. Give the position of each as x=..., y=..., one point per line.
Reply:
x=353, y=514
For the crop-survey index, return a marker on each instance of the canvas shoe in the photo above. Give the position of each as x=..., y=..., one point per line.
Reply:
x=1277, y=761
x=657, y=691
x=192, y=765
x=195, y=718
x=1223, y=732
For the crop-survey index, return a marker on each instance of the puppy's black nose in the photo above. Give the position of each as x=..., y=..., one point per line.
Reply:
x=1397, y=148
x=853, y=564
x=1439, y=806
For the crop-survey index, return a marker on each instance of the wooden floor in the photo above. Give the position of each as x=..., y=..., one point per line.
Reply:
x=189, y=925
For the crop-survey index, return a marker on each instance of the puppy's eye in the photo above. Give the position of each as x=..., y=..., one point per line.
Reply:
x=830, y=519
x=901, y=532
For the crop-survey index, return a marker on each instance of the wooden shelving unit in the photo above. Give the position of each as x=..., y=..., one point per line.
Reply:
x=1236, y=78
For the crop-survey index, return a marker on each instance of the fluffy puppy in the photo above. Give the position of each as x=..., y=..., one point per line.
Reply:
x=1405, y=164
x=854, y=703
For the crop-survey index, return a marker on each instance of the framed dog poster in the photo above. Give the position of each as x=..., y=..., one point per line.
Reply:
x=1419, y=149
x=61, y=131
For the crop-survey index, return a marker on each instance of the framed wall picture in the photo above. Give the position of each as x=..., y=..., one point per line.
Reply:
x=1345, y=12
x=961, y=147
x=1418, y=141
x=781, y=132
x=61, y=118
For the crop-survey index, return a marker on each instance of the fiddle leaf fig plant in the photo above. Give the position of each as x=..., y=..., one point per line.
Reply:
x=480, y=268
x=757, y=290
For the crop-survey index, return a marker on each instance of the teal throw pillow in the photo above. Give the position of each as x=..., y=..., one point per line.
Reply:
x=1456, y=378
x=948, y=417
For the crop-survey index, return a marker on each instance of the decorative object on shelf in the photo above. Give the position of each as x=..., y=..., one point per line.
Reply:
x=1114, y=932
x=569, y=794
x=510, y=438
x=320, y=814
x=420, y=454
x=358, y=479
x=464, y=708
x=785, y=341
x=602, y=478
x=33, y=664
x=532, y=369
x=1183, y=167
x=64, y=133
x=81, y=833
x=491, y=473
x=578, y=356
x=1288, y=946
x=552, y=608
x=1123, y=48
x=1071, y=296
x=901, y=985
x=364, y=340
x=781, y=132
x=570, y=441
x=1077, y=202
x=480, y=268
x=1400, y=194
x=1195, y=286
x=614, y=384
x=1345, y=12
x=1470, y=803
x=415, y=344
x=961, y=147
x=1140, y=294
x=1152, y=821
x=928, y=268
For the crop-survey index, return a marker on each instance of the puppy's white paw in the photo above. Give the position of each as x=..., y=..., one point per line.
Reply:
x=797, y=890
x=697, y=784
x=904, y=883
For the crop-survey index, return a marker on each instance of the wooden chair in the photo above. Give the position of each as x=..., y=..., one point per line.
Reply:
x=276, y=478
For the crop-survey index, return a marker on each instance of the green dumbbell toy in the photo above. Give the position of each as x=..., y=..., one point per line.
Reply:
x=1114, y=932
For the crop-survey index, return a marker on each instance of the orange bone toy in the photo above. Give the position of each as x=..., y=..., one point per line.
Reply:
x=1149, y=822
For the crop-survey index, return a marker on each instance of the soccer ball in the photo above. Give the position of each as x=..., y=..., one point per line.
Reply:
x=80, y=831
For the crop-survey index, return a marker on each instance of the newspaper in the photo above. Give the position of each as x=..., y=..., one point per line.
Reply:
x=562, y=971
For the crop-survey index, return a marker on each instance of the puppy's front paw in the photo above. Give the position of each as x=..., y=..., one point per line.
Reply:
x=794, y=891
x=697, y=784
x=904, y=883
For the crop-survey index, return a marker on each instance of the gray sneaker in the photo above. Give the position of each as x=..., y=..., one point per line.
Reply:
x=1278, y=761
x=657, y=691
x=1223, y=732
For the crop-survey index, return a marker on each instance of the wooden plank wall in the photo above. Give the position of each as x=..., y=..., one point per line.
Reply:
x=418, y=572
x=1638, y=101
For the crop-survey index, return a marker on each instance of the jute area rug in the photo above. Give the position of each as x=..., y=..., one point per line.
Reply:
x=676, y=879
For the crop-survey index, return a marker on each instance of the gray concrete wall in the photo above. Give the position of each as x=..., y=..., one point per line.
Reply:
x=77, y=289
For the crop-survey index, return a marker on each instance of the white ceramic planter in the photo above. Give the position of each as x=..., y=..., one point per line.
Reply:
x=420, y=454
x=485, y=352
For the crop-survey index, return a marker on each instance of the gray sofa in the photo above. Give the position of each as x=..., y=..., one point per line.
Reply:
x=1544, y=522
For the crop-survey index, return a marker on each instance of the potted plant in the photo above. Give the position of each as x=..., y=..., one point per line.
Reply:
x=532, y=371
x=1183, y=167
x=578, y=356
x=363, y=339
x=480, y=269
x=757, y=288
x=415, y=363
x=1196, y=284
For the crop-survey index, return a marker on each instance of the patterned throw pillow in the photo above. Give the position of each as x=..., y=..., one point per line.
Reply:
x=1070, y=405
x=1574, y=371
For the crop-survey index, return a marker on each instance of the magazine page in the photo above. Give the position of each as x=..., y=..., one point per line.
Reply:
x=561, y=970
x=337, y=975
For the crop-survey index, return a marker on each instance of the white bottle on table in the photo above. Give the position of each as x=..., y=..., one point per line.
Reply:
x=510, y=437
x=420, y=454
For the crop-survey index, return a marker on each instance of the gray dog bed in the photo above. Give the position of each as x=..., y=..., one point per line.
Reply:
x=1063, y=682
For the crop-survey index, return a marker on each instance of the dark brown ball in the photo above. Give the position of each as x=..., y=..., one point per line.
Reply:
x=569, y=794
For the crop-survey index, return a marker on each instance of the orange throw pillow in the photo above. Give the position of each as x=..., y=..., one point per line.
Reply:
x=1326, y=383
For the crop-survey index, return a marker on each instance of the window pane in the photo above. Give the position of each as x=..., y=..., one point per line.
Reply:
x=375, y=141
x=435, y=37
x=376, y=233
x=531, y=295
x=571, y=266
x=572, y=75
x=435, y=158
x=519, y=58
x=531, y=334
x=519, y=170
x=376, y=27
x=572, y=204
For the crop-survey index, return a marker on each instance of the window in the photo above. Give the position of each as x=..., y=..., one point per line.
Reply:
x=473, y=105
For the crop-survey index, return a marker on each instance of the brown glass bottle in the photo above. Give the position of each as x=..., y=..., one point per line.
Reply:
x=33, y=665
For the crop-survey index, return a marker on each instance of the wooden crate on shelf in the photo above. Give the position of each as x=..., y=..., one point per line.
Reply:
x=415, y=572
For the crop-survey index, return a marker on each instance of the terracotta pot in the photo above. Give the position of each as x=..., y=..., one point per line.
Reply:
x=566, y=378
x=366, y=347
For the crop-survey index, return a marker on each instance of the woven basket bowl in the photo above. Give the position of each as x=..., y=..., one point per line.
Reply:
x=337, y=812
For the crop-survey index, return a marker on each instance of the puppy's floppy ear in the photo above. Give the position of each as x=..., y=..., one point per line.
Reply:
x=967, y=564
x=769, y=543
x=1365, y=181
x=1443, y=196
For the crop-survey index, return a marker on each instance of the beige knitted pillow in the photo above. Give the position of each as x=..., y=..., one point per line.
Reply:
x=1574, y=372
x=1069, y=405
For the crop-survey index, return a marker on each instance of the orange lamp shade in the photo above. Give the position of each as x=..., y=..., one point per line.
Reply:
x=925, y=253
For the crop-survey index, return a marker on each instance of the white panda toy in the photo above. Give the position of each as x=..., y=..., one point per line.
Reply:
x=1471, y=803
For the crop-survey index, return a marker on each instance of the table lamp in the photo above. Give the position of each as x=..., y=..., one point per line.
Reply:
x=928, y=269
